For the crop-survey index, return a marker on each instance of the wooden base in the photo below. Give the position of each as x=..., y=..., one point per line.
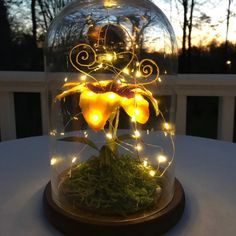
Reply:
x=152, y=224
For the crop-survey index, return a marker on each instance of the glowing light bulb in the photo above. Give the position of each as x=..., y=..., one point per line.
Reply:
x=138, y=147
x=75, y=118
x=145, y=163
x=161, y=158
x=53, y=133
x=65, y=80
x=109, y=57
x=136, y=134
x=159, y=79
x=133, y=119
x=95, y=118
x=109, y=3
x=90, y=93
x=228, y=62
x=74, y=159
x=109, y=135
x=138, y=74
x=152, y=173
x=167, y=126
x=111, y=96
x=118, y=81
x=136, y=111
x=126, y=71
x=62, y=133
x=53, y=161
x=85, y=134
x=138, y=97
x=100, y=65
x=83, y=77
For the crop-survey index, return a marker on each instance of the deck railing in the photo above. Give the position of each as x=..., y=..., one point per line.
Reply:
x=220, y=85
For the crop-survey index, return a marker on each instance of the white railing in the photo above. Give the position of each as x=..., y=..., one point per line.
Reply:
x=223, y=86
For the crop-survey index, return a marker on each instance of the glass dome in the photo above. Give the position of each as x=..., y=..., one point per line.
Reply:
x=111, y=128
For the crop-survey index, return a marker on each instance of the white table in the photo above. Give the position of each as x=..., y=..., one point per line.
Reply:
x=206, y=168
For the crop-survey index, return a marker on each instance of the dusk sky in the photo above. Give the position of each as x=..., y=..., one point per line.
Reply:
x=216, y=10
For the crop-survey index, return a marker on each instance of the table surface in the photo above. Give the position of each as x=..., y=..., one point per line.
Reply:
x=205, y=167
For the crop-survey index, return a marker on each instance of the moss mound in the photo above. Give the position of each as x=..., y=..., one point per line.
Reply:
x=120, y=186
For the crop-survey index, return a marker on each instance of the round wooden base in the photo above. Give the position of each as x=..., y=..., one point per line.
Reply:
x=154, y=224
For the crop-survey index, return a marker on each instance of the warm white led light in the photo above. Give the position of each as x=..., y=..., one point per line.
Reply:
x=145, y=163
x=83, y=77
x=95, y=117
x=74, y=160
x=90, y=93
x=138, y=74
x=111, y=96
x=53, y=133
x=138, y=97
x=109, y=135
x=118, y=82
x=126, y=71
x=133, y=119
x=53, y=161
x=138, y=147
x=136, y=111
x=109, y=57
x=161, y=158
x=152, y=173
x=136, y=134
x=167, y=126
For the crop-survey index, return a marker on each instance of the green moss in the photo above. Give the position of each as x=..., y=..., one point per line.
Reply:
x=119, y=186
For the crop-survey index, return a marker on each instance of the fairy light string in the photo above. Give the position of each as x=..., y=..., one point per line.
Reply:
x=128, y=83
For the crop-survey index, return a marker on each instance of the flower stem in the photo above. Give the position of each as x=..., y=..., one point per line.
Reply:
x=113, y=130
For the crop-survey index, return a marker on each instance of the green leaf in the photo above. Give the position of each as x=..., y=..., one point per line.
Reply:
x=80, y=140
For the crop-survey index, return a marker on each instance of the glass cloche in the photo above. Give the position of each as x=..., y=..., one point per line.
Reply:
x=111, y=128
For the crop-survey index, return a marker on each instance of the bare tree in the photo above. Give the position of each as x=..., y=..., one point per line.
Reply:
x=190, y=27
x=5, y=39
x=34, y=22
x=227, y=30
x=185, y=24
x=189, y=7
x=49, y=9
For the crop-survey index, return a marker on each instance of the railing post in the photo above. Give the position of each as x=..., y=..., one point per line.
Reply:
x=181, y=114
x=7, y=116
x=44, y=111
x=226, y=118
